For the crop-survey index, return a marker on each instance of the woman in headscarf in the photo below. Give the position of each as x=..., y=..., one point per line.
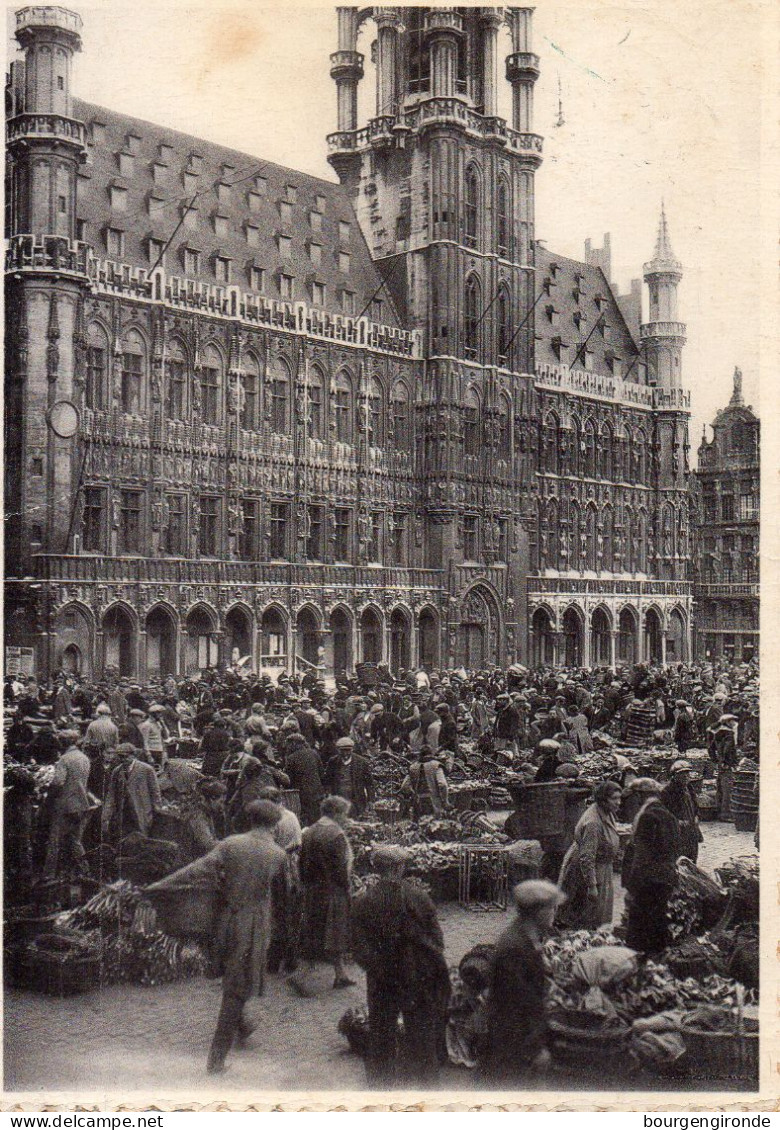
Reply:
x=586, y=871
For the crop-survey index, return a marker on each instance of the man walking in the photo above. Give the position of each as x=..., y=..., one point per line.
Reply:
x=69, y=806
x=246, y=876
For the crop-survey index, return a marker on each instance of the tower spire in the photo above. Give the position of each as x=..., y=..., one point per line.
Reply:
x=736, y=395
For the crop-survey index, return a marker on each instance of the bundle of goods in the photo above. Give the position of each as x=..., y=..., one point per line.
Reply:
x=585, y=1025
x=469, y=794
x=123, y=924
x=596, y=765
x=708, y=801
x=696, y=904
x=740, y=878
x=363, y=883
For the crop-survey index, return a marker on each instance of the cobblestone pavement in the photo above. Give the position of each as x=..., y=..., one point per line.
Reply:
x=156, y=1039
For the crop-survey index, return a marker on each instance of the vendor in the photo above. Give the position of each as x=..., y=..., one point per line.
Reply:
x=424, y=789
x=586, y=872
x=515, y=1041
x=548, y=751
x=650, y=872
x=680, y=798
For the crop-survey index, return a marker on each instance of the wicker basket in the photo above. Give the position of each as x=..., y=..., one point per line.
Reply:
x=744, y=821
x=50, y=966
x=721, y=1055
x=587, y=1048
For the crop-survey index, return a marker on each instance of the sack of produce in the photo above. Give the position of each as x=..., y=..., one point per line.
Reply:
x=657, y=1043
x=600, y=968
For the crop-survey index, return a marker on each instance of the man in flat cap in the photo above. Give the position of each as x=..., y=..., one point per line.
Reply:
x=348, y=775
x=69, y=806
x=515, y=1041
x=246, y=876
x=680, y=798
x=101, y=730
x=397, y=939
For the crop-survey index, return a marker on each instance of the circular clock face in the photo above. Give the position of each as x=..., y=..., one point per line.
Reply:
x=64, y=419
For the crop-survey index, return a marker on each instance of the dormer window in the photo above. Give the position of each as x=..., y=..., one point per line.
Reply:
x=377, y=309
x=156, y=206
x=159, y=172
x=221, y=225
x=126, y=164
x=600, y=300
x=261, y=186
x=315, y=221
x=115, y=243
x=553, y=316
x=553, y=269
x=118, y=196
x=320, y=202
x=255, y=200
x=286, y=283
x=165, y=152
x=344, y=231
x=606, y=330
x=156, y=252
x=257, y=278
x=222, y=268
x=580, y=319
x=252, y=235
x=132, y=144
x=191, y=261
x=318, y=293
x=285, y=246
x=189, y=216
x=344, y=261
x=223, y=193
x=98, y=133
x=348, y=302
x=285, y=212
x=315, y=253
x=586, y=359
x=190, y=183
x=195, y=164
x=291, y=193
x=576, y=294
x=558, y=348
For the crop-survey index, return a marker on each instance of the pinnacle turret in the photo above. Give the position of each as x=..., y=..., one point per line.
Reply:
x=736, y=395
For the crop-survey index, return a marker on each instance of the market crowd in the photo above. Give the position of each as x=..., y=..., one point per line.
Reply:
x=262, y=779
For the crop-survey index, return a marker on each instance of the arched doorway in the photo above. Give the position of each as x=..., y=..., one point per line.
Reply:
x=273, y=641
x=202, y=649
x=572, y=638
x=542, y=639
x=371, y=636
x=71, y=660
x=341, y=641
x=626, y=641
x=427, y=626
x=400, y=649
x=599, y=639
x=119, y=641
x=73, y=628
x=652, y=636
x=160, y=643
x=238, y=632
x=676, y=651
x=479, y=644
x=308, y=641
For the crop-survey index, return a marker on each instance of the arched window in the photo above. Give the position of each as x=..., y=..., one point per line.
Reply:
x=589, y=463
x=607, y=539
x=133, y=377
x=471, y=208
x=552, y=530
x=606, y=452
x=375, y=431
x=279, y=396
x=316, y=403
x=175, y=382
x=471, y=423
x=641, y=542
x=640, y=456
x=211, y=385
x=576, y=445
x=250, y=403
x=504, y=433
x=343, y=407
x=502, y=218
x=550, y=444
x=96, y=376
x=402, y=432
x=471, y=316
x=591, y=538
x=503, y=320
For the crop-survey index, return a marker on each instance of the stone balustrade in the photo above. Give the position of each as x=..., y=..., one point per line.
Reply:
x=608, y=586
x=46, y=126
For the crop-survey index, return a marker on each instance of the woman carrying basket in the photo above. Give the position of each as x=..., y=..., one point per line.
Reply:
x=586, y=871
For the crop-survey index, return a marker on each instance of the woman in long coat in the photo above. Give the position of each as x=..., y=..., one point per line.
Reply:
x=650, y=872
x=326, y=874
x=586, y=871
x=576, y=726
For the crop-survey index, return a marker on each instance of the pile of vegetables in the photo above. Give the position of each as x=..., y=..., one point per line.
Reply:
x=696, y=903
x=120, y=922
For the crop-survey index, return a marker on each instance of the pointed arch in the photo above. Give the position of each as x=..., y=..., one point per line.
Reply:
x=250, y=400
x=589, y=437
x=134, y=372
x=400, y=416
x=279, y=395
x=576, y=446
x=504, y=429
x=504, y=323
x=503, y=218
x=607, y=538
x=343, y=406
x=376, y=414
x=550, y=444
x=606, y=451
x=471, y=419
x=212, y=384
x=472, y=311
x=317, y=387
x=591, y=537
x=97, y=394
x=177, y=370
x=472, y=186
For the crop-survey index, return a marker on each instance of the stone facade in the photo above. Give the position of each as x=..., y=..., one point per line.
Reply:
x=726, y=489
x=254, y=413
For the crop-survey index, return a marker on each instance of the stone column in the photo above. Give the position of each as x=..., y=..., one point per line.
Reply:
x=613, y=647
x=443, y=25
x=388, y=27
x=663, y=648
x=522, y=69
x=490, y=21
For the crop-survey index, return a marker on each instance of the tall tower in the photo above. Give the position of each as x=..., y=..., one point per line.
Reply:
x=45, y=282
x=662, y=339
x=443, y=188
x=663, y=336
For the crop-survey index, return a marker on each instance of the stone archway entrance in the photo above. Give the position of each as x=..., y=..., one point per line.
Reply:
x=119, y=640
x=238, y=632
x=371, y=636
x=653, y=645
x=341, y=641
x=479, y=645
x=626, y=640
x=202, y=649
x=400, y=642
x=308, y=638
x=542, y=639
x=428, y=628
x=676, y=651
x=599, y=639
x=160, y=644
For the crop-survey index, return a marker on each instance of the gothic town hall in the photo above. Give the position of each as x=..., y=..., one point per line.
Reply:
x=254, y=413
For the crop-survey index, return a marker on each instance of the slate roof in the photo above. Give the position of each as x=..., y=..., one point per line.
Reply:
x=153, y=171
x=579, y=295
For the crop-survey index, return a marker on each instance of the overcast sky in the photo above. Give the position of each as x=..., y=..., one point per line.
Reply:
x=660, y=100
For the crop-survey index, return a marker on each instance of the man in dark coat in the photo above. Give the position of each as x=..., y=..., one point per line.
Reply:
x=214, y=747
x=515, y=1041
x=650, y=874
x=348, y=775
x=304, y=768
x=680, y=798
x=246, y=876
x=397, y=939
